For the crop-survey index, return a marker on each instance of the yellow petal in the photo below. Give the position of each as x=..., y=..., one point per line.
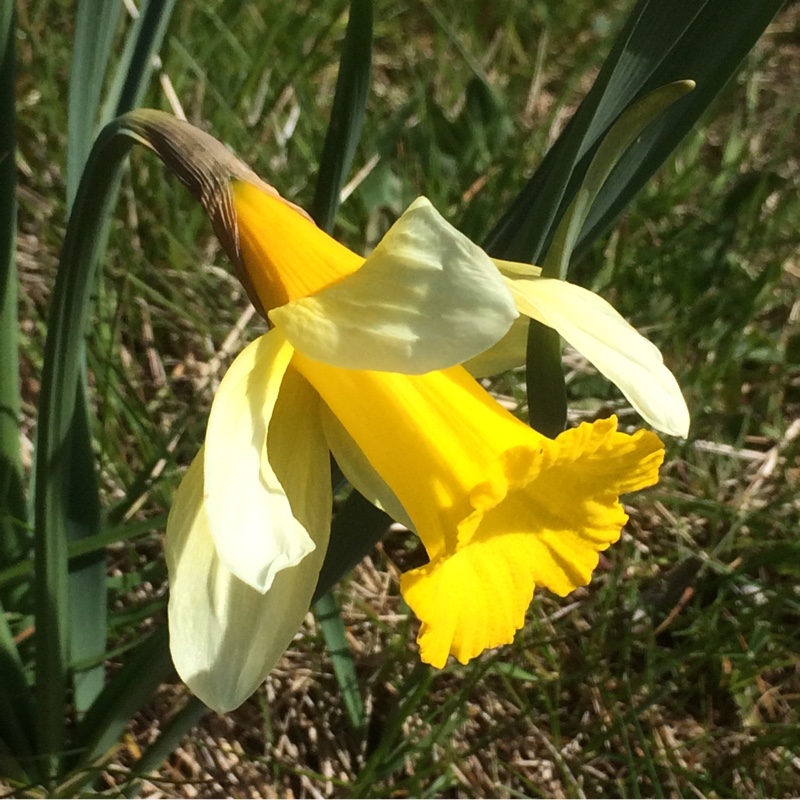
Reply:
x=425, y=299
x=547, y=532
x=285, y=254
x=225, y=636
x=254, y=530
x=595, y=329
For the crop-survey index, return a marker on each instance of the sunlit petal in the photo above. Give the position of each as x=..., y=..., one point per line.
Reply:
x=508, y=353
x=252, y=524
x=425, y=299
x=225, y=636
x=618, y=350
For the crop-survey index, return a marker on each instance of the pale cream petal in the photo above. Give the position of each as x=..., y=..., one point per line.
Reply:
x=299, y=453
x=225, y=636
x=358, y=470
x=507, y=354
x=252, y=524
x=595, y=329
x=425, y=299
x=516, y=269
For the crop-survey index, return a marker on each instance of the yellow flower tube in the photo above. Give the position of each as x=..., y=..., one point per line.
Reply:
x=499, y=507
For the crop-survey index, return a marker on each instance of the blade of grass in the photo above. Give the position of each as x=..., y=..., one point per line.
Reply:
x=347, y=114
x=330, y=621
x=16, y=701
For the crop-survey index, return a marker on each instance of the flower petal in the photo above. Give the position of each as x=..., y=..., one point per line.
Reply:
x=359, y=471
x=547, y=532
x=425, y=299
x=251, y=519
x=595, y=329
x=507, y=354
x=225, y=636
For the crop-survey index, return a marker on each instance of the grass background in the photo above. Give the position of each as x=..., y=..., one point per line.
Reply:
x=676, y=671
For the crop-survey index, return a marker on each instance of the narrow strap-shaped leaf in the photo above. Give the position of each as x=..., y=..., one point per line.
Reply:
x=358, y=525
x=135, y=66
x=733, y=27
x=660, y=43
x=544, y=376
x=87, y=576
x=95, y=25
x=53, y=472
x=704, y=41
x=347, y=114
x=16, y=706
x=330, y=621
x=14, y=541
x=612, y=148
x=122, y=697
x=171, y=735
x=87, y=581
x=547, y=398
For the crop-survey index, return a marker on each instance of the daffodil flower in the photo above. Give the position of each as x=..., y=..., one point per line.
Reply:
x=363, y=360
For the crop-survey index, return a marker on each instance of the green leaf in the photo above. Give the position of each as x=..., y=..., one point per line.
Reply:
x=347, y=115
x=616, y=142
x=121, y=699
x=14, y=541
x=659, y=44
x=333, y=629
x=95, y=30
x=94, y=35
x=358, y=525
x=710, y=51
x=61, y=415
x=16, y=707
x=547, y=398
x=544, y=376
x=90, y=544
x=136, y=63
